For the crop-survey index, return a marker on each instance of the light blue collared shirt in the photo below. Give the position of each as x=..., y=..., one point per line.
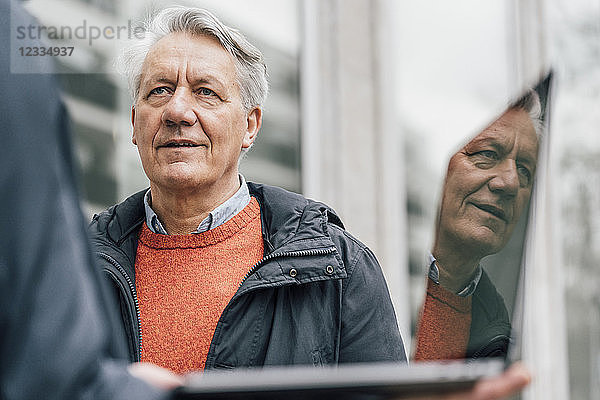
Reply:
x=216, y=217
x=434, y=275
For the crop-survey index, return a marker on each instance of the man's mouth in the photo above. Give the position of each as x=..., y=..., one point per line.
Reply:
x=177, y=143
x=491, y=209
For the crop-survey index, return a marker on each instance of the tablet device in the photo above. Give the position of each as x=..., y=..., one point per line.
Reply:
x=352, y=381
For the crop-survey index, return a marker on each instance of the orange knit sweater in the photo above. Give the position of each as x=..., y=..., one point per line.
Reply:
x=444, y=324
x=184, y=282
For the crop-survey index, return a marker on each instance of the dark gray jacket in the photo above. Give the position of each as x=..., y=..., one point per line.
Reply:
x=317, y=297
x=490, y=325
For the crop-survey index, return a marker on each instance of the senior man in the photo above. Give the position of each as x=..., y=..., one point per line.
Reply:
x=214, y=272
x=488, y=185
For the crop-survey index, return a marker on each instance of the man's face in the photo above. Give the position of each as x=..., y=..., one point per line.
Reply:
x=188, y=121
x=488, y=184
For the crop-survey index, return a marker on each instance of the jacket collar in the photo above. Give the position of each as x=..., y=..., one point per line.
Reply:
x=120, y=220
x=288, y=217
x=295, y=231
x=285, y=216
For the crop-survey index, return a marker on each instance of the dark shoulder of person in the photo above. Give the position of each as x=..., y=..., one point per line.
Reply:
x=490, y=324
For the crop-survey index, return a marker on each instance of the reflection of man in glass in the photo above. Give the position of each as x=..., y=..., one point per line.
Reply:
x=488, y=185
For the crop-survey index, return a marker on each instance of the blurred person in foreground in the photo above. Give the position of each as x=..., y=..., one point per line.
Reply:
x=488, y=185
x=211, y=271
x=56, y=340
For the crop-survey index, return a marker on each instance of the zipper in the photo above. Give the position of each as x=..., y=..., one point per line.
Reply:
x=255, y=267
x=116, y=264
x=298, y=253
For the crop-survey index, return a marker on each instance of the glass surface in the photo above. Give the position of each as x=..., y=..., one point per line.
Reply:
x=483, y=216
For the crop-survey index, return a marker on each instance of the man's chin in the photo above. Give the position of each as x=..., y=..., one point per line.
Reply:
x=487, y=242
x=183, y=179
x=471, y=244
x=478, y=242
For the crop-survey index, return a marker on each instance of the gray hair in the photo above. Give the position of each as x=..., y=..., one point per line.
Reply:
x=530, y=102
x=249, y=62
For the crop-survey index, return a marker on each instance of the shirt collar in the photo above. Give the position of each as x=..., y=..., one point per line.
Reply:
x=469, y=289
x=218, y=216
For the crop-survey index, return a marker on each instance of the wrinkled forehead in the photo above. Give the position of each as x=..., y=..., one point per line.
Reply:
x=197, y=53
x=512, y=132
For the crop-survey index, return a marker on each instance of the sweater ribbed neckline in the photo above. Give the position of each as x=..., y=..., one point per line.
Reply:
x=203, y=239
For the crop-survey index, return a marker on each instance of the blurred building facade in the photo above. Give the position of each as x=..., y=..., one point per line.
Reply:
x=368, y=100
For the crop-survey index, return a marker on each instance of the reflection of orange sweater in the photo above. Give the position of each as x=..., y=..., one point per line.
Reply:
x=184, y=282
x=444, y=323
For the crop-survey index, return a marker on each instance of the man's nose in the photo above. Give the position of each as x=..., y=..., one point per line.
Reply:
x=179, y=110
x=505, y=179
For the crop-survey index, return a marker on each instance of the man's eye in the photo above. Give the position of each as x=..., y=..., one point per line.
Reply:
x=206, y=92
x=159, y=91
x=525, y=175
x=490, y=154
x=484, y=159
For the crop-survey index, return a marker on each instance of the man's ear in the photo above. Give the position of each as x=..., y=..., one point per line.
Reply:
x=253, y=121
x=133, y=140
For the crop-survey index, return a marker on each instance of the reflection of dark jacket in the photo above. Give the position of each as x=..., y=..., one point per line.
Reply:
x=490, y=326
x=317, y=297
